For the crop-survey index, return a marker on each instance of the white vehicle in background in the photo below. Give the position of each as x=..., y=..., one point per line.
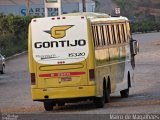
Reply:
x=2, y=64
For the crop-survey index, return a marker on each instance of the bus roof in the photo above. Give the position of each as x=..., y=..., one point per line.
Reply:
x=97, y=17
x=115, y=19
x=89, y=15
x=93, y=17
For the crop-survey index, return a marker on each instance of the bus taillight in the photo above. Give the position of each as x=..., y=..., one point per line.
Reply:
x=91, y=74
x=33, y=78
x=82, y=17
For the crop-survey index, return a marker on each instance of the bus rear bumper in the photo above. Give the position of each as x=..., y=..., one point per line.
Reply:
x=63, y=93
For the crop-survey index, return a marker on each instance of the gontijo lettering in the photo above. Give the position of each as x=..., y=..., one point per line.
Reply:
x=63, y=43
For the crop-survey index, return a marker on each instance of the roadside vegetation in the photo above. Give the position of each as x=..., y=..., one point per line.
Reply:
x=143, y=14
x=13, y=34
x=145, y=26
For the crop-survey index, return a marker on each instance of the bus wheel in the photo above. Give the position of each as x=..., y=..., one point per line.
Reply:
x=48, y=105
x=107, y=96
x=124, y=93
x=100, y=101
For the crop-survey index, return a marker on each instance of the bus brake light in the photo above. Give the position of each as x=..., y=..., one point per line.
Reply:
x=82, y=17
x=33, y=79
x=91, y=74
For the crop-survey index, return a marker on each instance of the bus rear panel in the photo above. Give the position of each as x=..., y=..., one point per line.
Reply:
x=58, y=57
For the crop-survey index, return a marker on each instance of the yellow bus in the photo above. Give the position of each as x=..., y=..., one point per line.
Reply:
x=80, y=56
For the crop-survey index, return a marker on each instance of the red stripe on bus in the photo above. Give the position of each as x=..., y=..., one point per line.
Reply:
x=61, y=74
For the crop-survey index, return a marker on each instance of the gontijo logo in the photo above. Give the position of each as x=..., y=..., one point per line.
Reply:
x=59, y=31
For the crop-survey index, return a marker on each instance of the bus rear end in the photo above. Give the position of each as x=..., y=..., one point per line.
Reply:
x=59, y=61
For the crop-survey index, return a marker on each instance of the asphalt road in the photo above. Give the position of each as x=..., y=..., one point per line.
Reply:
x=15, y=94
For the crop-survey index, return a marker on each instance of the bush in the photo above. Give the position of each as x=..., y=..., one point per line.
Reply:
x=145, y=26
x=13, y=34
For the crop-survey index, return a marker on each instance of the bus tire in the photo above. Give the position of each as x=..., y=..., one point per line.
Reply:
x=100, y=101
x=107, y=92
x=107, y=96
x=48, y=105
x=124, y=93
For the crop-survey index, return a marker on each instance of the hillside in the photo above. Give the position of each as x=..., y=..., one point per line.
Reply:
x=134, y=9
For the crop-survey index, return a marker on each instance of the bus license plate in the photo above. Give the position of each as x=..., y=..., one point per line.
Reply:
x=66, y=79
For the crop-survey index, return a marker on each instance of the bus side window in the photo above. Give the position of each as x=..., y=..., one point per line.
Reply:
x=102, y=35
x=105, y=35
x=99, y=35
x=93, y=34
x=96, y=33
x=128, y=31
x=118, y=33
x=113, y=34
x=124, y=33
x=110, y=34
